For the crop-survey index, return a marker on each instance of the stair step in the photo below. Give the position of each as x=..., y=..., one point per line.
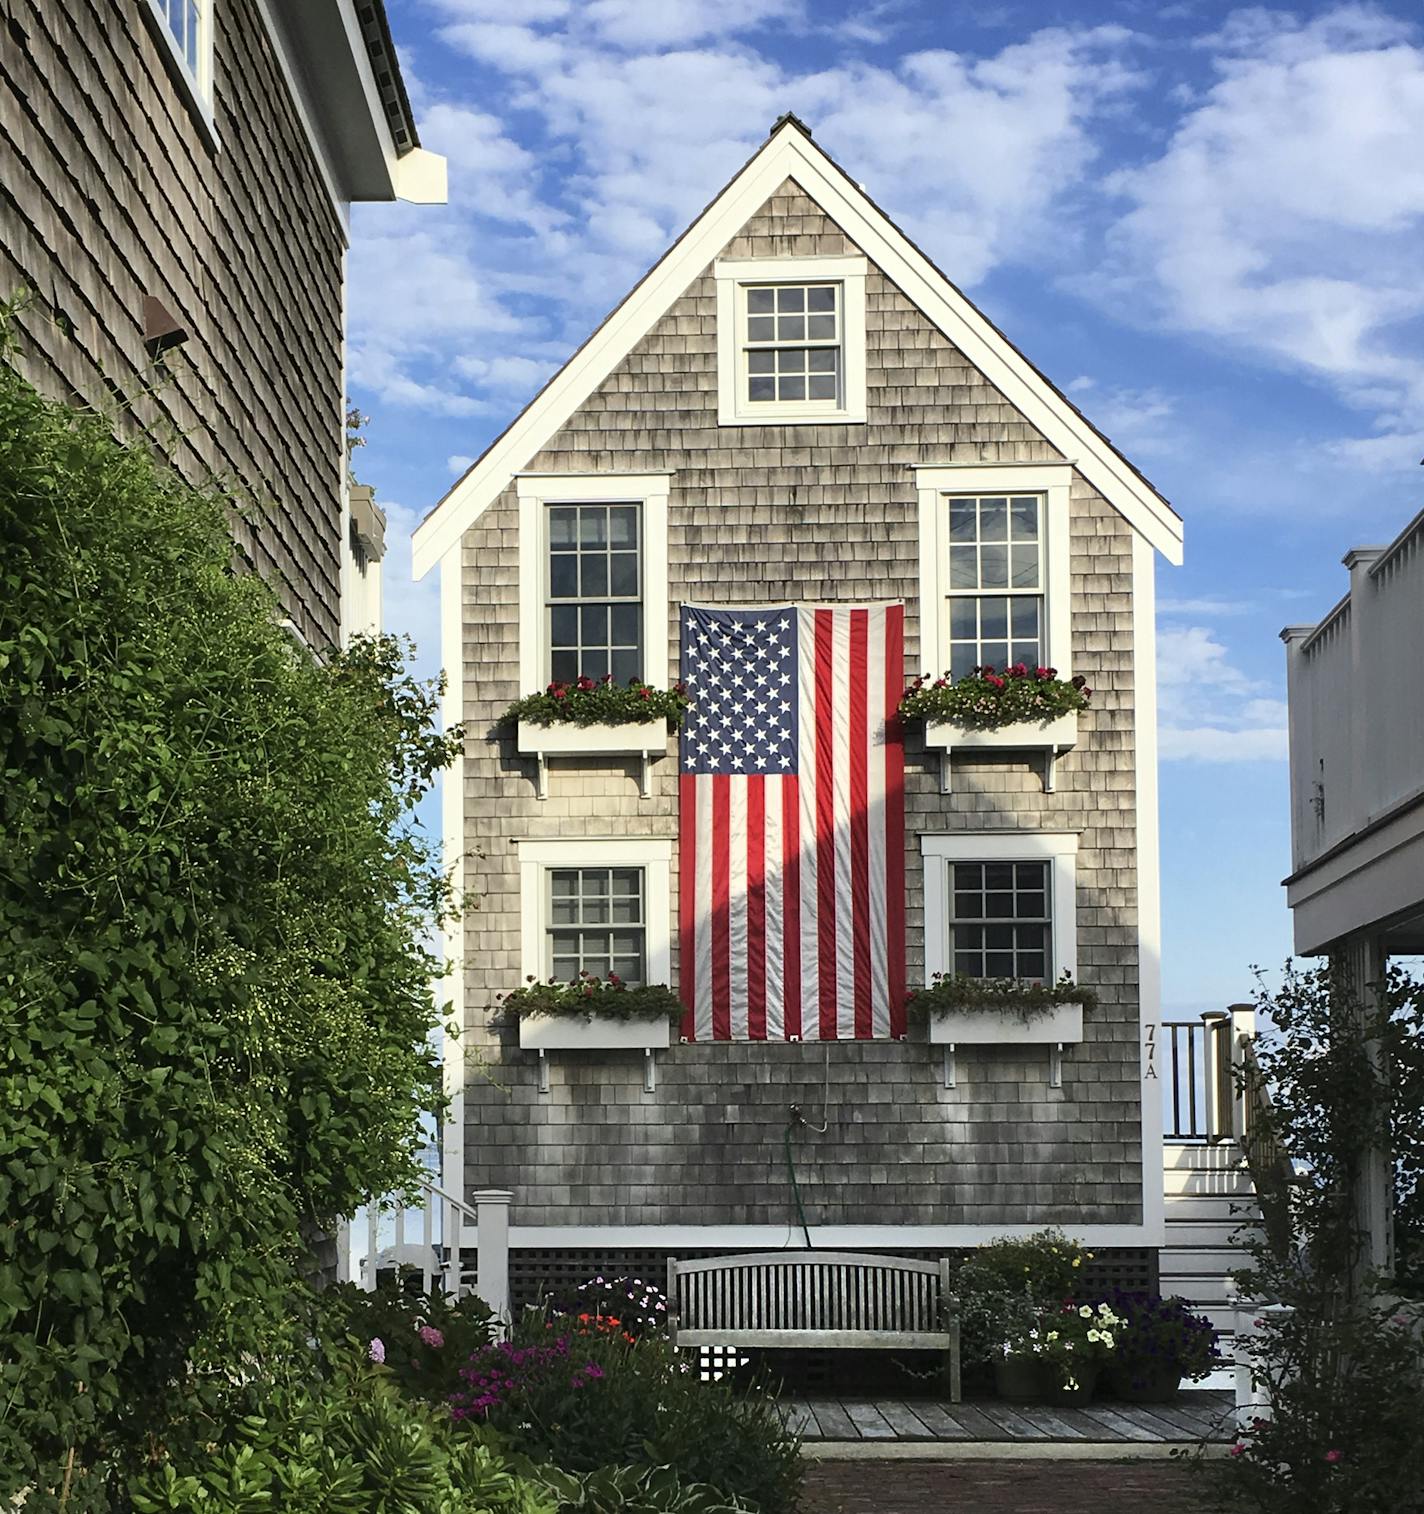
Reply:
x=1202, y=1261
x=1199, y=1184
x=1199, y=1157
x=1219, y=1208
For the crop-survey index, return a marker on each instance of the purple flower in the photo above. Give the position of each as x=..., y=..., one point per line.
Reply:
x=432, y=1337
x=377, y=1350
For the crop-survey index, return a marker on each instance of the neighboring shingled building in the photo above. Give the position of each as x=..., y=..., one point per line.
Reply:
x=175, y=185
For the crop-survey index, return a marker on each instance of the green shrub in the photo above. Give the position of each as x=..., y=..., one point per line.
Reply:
x=215, y=993
x=988, y=700
x=587, y=995
x=1004, y=1285
x=590, y=1398
x=592, y=701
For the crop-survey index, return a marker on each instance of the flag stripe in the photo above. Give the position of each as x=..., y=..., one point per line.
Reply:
x=756, y=907
x=704, y=910
x=791, y=909
x=687, y=908
x=875, y=824
x=824, y=718
x=737, y=907
x=721, y=922
x=858, y=739
x=773, y=914
x=895, y=815
x=808, y=855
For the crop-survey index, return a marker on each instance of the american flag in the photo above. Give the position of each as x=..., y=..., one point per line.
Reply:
x=792, y=850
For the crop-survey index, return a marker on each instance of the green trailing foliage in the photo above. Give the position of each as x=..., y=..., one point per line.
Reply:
x=1004, y=1286
x=987, y=699
x=593, y=701
x=587, y=995
x=215, y=996
x=1021, y=997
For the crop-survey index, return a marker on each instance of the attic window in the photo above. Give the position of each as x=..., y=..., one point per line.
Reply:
x=791, y=340
x=185, y=28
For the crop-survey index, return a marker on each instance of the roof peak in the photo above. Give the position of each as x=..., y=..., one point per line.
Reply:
x=789, y=118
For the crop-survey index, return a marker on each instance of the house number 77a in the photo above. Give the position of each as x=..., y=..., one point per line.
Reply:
x=1151, y=1071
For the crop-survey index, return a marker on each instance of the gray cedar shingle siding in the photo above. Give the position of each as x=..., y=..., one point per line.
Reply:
x=783, y=514
x=108, y=193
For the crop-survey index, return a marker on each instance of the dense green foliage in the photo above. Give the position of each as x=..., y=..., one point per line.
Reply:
x=1005, y=1285
x=215, y=1000
x=948, y=992
x=589, y=701
x=610, y=997
x=1343, y=1360
x=987, y=699
x=585, y=1395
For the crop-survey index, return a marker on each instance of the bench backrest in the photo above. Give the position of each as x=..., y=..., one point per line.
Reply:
x=823, y=1293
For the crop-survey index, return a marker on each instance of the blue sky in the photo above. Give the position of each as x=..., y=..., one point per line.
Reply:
x=1203, y=221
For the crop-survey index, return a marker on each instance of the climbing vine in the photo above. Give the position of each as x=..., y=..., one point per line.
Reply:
x=215, y=992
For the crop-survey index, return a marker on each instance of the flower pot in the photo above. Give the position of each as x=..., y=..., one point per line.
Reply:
x=1085, y=1376
x=1020, y=1379
x=1158, y=1384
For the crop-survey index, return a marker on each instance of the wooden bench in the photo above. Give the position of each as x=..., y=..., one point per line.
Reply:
x=815, y=1299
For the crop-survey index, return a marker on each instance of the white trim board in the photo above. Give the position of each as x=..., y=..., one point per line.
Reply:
x=452, y=826
x=789, y=153
x=825, y=1237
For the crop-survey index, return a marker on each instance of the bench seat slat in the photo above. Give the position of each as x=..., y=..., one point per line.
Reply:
x=859, y=1340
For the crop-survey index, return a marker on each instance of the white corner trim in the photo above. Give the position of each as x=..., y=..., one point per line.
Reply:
x=1052, y=480
x=730, y=274
x=1149, y=891
x=653, y=854
x=535, y=491
x=452, y=825
x=1058, y=847
x=789, y=154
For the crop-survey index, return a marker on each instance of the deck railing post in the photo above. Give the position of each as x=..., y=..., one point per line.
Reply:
x=1243, y=1032
x=1216, y=1076
x=492, y=1262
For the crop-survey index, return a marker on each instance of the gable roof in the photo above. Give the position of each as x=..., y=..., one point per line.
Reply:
x=789, y=153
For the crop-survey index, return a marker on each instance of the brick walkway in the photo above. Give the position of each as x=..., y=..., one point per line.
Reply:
x=1005, y=1487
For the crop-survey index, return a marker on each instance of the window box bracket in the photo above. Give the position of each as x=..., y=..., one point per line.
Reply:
x=648, y=740
x=1051, y=737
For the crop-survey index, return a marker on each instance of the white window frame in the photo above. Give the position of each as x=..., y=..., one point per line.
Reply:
x=198, y=85
x=537, y=491
x=733, y=276
x=652, y=854
x=936, y=484
x=940, y=852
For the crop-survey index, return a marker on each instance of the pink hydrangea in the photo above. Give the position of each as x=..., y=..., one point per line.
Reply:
x=1332, y=1456
x=377, y=1350
x=432, y=1337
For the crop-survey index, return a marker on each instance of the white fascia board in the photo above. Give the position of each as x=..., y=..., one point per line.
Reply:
x=790, y=155
x=452, y=807
x=826, y=1237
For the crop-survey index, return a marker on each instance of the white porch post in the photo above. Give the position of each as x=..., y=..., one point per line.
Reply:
x=1362, y=962
x=492, y=1264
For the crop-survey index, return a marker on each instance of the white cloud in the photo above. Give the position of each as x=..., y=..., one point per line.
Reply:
x=1285, y=215
x=1205, y=605
x=457, y=462
x=1136, y=420
x=1211, y=710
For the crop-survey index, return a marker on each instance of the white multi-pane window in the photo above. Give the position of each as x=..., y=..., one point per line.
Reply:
x=1000, y=920
x=594, y=591
x=792, y=349
x=994, y=580
x=187, y=28
x=596, y=923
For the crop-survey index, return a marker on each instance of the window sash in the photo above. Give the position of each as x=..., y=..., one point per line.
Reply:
x=1001, y=919
x=781, y=361
x=988, y=534
x=595, y=920
x=588, y=547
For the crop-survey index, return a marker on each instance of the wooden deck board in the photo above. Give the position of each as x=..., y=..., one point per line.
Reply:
x=1201, y=1415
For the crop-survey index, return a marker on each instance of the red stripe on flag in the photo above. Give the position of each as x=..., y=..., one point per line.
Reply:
x=826, y=821
x=791, y=906
x=687, y=905
x=756, y=908
x=721, y=909
x=895, y=814
x=859, y=822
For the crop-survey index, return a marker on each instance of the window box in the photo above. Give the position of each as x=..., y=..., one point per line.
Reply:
x=1061, y=1024
x=648, y=739
x=1059, y=734
x=594, y=1033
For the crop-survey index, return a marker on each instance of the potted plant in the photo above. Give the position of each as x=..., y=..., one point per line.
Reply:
x=985, y=1011
x=592, y=1013
x=1074, y=1344
x=1161, y=1342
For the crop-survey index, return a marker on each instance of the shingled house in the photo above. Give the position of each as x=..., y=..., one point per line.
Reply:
x=177, y=177
x=793, y=414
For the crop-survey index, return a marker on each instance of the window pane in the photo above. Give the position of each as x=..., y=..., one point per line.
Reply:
x=963, y=618
x=998, y=906
x=999, y=938
x=969, y=906
x=563, y=665
x=821, y=297
x=762, y=389
x=623, y=576
x=968, y=964
x=962, y=520
x=760, y=300
x=968, y=875
x=1025, y=519
x=1031, y=875
x=563, y=625
x=998, y=964
x=594, y=662
x=1025, y=611
x=791, y=328
x=1032, y=965
x=593, y=574
x=626, y=664
x=563, y=576
x=994, y=567
x=993, y=616
x=998, y=875
x=993, y=520
x=790, y=298
x=1026, y=652
x=626, y=623
x=761, y=328
x=761, y=362
x=593, y=526
x=821, y=327
x=964, y=658
x=623, y=526
x=1031, y=904
x=792, y=388
x=563, y=527
x=994, y=654
x=963, y=568
x=823, y=360
x=1025, y=567
x=593, y=623
x=822, y=386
